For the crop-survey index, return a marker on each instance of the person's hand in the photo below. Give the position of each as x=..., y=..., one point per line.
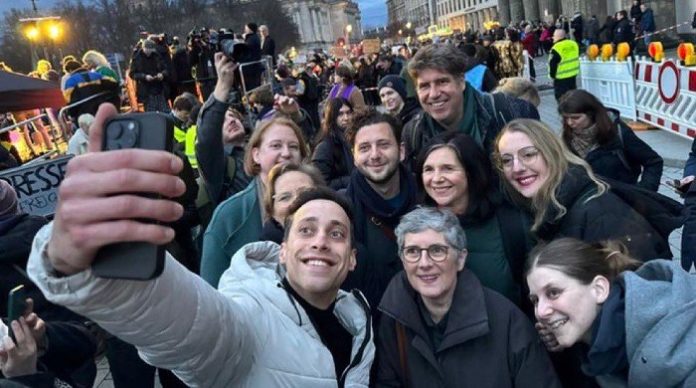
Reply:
x=547, y=337
x=159, y=76
x=18, y=359
x=96, y=201
x=36, y=325
x=286, y=105
x=225, y=69
x=149, y=78
x=686, y=180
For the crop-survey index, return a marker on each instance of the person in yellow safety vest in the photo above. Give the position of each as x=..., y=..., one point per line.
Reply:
x=185, y=133
x=564, y=63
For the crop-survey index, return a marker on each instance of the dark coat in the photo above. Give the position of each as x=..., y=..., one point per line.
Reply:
x=623, y=31
x=142, y=66
x=269, y=47
x=600, y=218
x=626, y=158
x=647, y=21
x=488, y=342
x=333, y=158
x=16, y=237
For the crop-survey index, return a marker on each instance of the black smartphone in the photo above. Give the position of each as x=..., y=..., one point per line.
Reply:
x=16, y=305
x=134, y=260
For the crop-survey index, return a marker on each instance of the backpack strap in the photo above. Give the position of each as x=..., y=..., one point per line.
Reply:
x=403, y=358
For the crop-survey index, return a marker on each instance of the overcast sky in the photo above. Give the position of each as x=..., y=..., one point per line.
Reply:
x=374, y=12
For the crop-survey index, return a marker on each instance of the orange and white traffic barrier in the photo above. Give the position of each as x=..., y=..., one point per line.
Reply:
x=666, y=95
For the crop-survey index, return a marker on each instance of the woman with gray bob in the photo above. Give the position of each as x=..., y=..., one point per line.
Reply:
x=440, y=327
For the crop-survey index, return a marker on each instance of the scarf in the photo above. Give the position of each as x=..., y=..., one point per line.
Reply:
x=584, y=140
x=368, y=203
x=468, y=124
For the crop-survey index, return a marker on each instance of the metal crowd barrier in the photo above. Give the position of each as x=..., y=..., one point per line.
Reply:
x=612, y=83
x=21, y=123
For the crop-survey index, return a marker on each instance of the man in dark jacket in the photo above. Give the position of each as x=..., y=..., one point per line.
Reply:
x=381, y=191
x=577, y=23
x=441, y=328
x=183, y=79
x=149, y=70
x=81, y=84
x=309, y=96
x=623, y=31
x=449, y=103
x=647, y=24
x=200, y=55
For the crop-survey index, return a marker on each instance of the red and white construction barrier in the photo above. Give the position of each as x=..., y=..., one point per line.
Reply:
x=666, y=96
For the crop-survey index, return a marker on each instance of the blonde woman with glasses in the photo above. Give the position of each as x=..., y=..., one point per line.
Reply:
x=564, y=195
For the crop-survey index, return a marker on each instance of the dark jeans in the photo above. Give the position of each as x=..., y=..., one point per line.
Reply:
x=561, y=86
x=688, y=252
x=128, y=370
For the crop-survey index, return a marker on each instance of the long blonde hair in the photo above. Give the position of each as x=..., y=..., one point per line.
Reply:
x=558, y=160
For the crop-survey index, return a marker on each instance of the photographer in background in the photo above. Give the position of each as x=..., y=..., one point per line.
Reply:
x=200, y=55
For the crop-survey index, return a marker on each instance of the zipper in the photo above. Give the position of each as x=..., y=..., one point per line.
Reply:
x=368, y=334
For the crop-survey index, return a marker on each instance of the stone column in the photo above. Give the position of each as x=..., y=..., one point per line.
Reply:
x=504, y=12
x=531, y=10
x=516, y=10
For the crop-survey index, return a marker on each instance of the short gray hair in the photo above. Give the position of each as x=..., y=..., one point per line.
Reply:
x=439, y=220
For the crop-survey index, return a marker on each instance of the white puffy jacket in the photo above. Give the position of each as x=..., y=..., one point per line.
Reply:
x=250, y=333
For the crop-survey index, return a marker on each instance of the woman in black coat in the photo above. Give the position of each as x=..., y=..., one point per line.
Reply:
x=332, y=155
x=606, y=143
x=564, y=195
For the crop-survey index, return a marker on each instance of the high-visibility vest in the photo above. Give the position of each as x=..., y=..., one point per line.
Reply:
x=179, y=135
x=190, y=146
x=570, y=58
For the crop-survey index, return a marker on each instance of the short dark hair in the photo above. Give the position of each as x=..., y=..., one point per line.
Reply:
x=253, y=27
x=316, y=193
x=372, y=116
x=183, y=103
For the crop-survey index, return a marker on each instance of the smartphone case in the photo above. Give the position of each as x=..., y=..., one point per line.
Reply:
x=134, y=260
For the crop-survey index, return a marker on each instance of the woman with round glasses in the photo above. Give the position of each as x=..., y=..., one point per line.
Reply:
x=285, y=182
x=606, y=143
x=637, y=321
x=456, y=175
x=441, y=328
x=564, y=196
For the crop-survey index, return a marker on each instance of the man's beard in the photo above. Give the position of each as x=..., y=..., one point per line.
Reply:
x=389, y=175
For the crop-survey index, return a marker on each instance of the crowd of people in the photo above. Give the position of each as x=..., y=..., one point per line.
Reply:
x=392, y=219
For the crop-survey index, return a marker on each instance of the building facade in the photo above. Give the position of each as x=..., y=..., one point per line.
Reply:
x=464, y=15
x=321, y=22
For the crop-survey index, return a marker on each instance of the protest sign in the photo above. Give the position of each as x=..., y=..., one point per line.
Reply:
x=371, y=46
x=37, y=185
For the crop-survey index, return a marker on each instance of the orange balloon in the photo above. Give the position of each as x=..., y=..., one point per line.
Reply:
x=684, y=50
